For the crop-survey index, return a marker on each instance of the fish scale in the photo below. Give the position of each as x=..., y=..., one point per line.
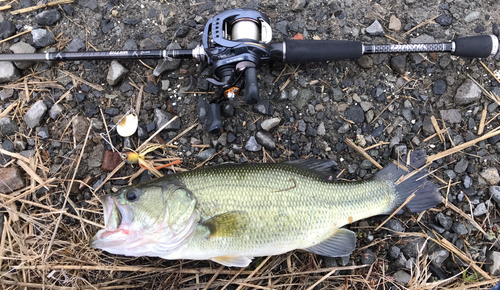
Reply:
x=293, y=209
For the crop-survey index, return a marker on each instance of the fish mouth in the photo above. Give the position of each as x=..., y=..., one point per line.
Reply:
x=117, y=219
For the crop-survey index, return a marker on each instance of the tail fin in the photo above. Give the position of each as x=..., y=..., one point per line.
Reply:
x=427, y=193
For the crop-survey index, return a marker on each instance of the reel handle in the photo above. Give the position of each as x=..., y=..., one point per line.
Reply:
x=480, y=46
x=251, y=86
x=213, y=123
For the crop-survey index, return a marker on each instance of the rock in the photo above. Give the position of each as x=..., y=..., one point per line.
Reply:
x=42, y=37
x=265, y=139
x=75, y=45
x=301, y=125
x=452, y=116
x=92, y=4
x=445, y=221
x=161, y=118
x=366, y=106
x=167, y=64
x=399, y=151
x=222, y=139
x=47, y=17
x=151, y=88
x=282, y=26
x=394, y=23
x=262, y=107
x=268, y=124
x=303, y=98
x=110, y=160
x=12, y=179
x=402, y=277
x=467, y=180
x=106, y=25
x=321, y=130
x=495, y=194
x=8, y=72
x=344, y=128
x=375, y=28
x=6, y=94
x=116, y=73
x=438, y=257
x=427, y=126
x=493, y=263
x=461, y=166
x=55, y=111
x=227, y=110
x=439, y=87
x=365, y=61
x=298, y=5
x=43, y=132
x=368, y=257
x=398, y=64
x=394, y=252
x=22, y=47
x=205, y=154
x=491, y=175
x=34, y=115
x=80, y=128
x=444, y=20
x=414, y=246
x=252, y=145
x=460, y=229
x=401, y=261
x=7, y=127
x=467, y=93
x=7, y=29
x=355, y=113
x=96, y=159
x=472, y=16
x=395, y=225
x=480, y=209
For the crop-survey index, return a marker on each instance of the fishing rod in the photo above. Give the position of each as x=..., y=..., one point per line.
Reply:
x=237, y=42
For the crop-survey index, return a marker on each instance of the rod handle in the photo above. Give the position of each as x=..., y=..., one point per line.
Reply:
x=304, y=51
x=480, y=46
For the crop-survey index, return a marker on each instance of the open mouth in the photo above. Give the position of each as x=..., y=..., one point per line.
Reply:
x=117, y=220
x=112, y=214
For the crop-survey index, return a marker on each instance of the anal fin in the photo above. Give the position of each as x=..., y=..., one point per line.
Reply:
x=233, y=261
x=341, y=243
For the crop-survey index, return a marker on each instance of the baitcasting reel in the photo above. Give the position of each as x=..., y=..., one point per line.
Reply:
x=236, y=43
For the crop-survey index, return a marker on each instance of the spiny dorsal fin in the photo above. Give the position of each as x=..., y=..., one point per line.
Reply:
x=322, y=167
x=233, y=261
x=341, y=243
x=227, y=225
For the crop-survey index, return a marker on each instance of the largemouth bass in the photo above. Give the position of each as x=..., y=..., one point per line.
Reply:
x=233, y=213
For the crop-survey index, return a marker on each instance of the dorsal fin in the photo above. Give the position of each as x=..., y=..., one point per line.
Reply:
x=321, y=167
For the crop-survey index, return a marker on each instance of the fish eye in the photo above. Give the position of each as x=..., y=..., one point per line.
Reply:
x=132, y=195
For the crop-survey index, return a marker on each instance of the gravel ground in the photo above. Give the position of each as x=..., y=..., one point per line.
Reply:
x=306, y=111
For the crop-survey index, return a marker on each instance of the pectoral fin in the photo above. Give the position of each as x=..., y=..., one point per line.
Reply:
x=341, y=243
x=233, y=261
x=231, y=224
